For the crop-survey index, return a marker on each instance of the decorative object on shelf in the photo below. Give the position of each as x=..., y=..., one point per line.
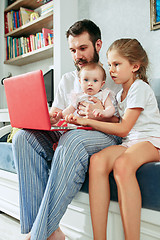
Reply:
x=34, y=16
x=155, y=14
x=25, y=15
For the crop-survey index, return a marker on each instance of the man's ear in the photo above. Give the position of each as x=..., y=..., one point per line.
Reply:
x=98, y=45
x=136, y=66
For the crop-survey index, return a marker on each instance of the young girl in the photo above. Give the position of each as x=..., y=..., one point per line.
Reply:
x=139, y=127
x=92, y=78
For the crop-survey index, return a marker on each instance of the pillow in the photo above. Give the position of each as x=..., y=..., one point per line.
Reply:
x=10, y=136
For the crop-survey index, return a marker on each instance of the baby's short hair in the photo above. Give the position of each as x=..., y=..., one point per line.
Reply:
x=93, y=66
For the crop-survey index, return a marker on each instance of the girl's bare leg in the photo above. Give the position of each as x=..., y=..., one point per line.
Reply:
x=101, y=164
x=125, y=168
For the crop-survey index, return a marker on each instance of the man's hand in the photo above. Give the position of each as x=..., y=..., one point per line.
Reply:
x=85, y=109
x=55, y=117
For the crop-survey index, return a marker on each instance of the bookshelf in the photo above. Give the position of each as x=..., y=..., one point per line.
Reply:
x=58, y=54
x=31, y=57
x=44, y=21
x=33, y=27
x=25, y=3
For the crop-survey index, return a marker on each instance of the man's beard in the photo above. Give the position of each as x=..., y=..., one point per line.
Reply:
x=95, y=59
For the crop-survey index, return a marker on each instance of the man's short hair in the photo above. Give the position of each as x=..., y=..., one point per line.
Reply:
x=85, y=26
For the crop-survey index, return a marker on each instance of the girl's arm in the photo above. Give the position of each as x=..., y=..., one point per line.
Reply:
x=120, y=129
x=108, y=111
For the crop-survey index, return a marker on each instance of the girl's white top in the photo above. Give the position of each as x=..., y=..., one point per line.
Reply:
x=140, y=95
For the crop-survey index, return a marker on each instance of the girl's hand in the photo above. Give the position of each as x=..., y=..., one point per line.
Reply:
x=71, y=118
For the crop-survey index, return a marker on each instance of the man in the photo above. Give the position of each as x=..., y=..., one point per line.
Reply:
x=48, y=180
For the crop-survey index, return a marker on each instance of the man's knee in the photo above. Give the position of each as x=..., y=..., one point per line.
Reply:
x=19, y=136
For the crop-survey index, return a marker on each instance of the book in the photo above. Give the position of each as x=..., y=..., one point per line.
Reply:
x=25, y=15
x=10, y=21
x=7, y=49
x=6, y=23
x=14, y=19
x=32, y=42
x=44, y=9
x=17, y=17
x=50, y=38
x=45, y=32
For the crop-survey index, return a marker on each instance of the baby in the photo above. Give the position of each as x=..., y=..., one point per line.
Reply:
x=92, y=78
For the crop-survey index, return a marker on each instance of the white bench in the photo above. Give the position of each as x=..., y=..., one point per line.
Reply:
x=76, y=222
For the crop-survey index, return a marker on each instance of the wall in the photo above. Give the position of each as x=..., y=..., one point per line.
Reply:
x=121, y=19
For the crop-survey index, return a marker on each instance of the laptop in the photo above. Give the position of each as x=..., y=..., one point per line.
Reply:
x=27, y=103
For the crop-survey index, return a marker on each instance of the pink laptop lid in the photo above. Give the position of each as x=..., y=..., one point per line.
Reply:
x=27, y=101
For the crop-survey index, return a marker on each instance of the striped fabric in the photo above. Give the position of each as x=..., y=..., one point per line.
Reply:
x=49, y=181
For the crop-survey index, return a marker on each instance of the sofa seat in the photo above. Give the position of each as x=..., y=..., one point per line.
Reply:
x=6, y=157
x=148, y=177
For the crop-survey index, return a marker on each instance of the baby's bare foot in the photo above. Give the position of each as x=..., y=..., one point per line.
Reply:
x=28, y=237
x=57, y=235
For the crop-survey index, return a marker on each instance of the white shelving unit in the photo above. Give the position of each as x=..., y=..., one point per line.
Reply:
x=64, y=14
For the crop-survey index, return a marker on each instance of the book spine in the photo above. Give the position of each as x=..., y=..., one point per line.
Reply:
x=6, y=23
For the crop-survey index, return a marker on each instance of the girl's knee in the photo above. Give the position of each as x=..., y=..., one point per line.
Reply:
x=93, y=160
x=122, y=169
x=98, y=165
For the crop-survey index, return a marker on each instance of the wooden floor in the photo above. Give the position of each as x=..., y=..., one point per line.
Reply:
x=10, y=228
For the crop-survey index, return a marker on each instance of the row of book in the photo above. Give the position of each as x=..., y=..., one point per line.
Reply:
x=15, y=19
x=18, y=46
x=47, y=7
